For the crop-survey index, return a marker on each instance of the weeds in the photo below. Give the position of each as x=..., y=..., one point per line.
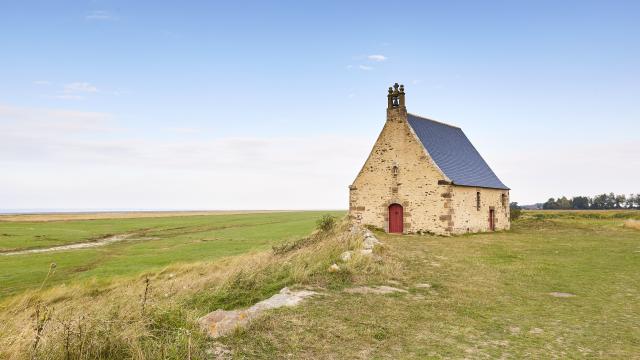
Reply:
x=144, y=296
x=326, y=222
x=52, y=269
x=99, y=320
x=42, y=316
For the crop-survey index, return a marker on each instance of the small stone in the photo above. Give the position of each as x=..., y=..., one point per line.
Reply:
x=345, y=256
x=334, y=268
x=423, y=286
x=370, y=242
x=220, y=351
x=536, y=331
x=561, y=294
x=514, y=329
x=366, y=252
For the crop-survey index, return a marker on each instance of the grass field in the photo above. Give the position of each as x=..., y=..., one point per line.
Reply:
x=490, y=298
x=156, y=242
x=560, y=284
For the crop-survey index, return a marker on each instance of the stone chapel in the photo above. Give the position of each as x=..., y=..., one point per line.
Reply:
x=425, y=176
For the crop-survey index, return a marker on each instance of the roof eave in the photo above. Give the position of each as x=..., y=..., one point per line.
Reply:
x=480, y=186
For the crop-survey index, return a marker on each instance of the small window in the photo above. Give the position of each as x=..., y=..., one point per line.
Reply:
x=504, y=200
x=478, y=200
x=394, y=170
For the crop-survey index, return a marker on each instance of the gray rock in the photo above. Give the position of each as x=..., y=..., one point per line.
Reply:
x=222, y=322
x=345, y=256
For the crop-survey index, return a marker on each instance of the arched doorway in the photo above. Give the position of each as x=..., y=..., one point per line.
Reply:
x=395, y=218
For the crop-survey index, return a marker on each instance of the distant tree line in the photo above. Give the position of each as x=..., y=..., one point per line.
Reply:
x=598, y=202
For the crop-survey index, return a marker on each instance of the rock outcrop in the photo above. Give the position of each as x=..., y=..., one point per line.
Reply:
x=222, y=322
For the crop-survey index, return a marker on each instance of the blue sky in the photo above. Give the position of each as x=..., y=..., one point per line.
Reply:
x=227, y=105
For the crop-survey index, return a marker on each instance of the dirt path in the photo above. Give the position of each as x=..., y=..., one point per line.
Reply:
x=101, y=242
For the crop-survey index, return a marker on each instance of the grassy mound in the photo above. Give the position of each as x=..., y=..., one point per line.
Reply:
x=154, y=315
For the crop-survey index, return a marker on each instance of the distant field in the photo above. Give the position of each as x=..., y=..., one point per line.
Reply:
x=121, y=215
x=155, y=242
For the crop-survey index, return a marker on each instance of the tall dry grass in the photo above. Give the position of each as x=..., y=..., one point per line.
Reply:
x=632, y=224
x=157, y=318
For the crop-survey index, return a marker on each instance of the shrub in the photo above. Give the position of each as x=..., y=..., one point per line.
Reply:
x=515, y=211
x=326, y=222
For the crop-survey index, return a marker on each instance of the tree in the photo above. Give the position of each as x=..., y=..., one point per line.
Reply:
x=619, y=200
x=631, y=201
x=599, y=202
x=551, y=204
x=580, y=202
x=564, y=203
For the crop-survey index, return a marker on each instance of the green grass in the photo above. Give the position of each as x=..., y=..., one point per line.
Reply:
x=489, y=295
x=489, y=299
x=170, y=240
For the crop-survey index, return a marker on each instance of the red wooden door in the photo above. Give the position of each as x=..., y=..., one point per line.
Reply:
x=395, y=218
x=492, y=220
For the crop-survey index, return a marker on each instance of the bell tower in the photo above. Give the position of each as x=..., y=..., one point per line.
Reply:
x=395, y=98
x=396, y=108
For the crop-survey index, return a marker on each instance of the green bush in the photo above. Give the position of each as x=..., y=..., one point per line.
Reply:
x=515, y=212
x=326, y=222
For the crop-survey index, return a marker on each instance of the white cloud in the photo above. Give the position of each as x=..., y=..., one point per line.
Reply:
x=42, y=82
x=71, y=159
x=365, y=67
x=377, y=58
x=99, y=15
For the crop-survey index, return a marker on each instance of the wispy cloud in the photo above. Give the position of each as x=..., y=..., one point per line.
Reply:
x=69, y=97
x=100, y=15
x=377, y=58
x=79, y=87
x=76, y=91
x=365, y=67
x=42, y=82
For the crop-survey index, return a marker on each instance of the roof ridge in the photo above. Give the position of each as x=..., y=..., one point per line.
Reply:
x=435, y=121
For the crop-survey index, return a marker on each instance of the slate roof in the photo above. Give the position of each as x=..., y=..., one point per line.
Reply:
x=454, y=154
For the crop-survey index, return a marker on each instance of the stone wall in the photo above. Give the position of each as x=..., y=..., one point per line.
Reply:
x=468, y=217
x=399, y=170
x=414, y=184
